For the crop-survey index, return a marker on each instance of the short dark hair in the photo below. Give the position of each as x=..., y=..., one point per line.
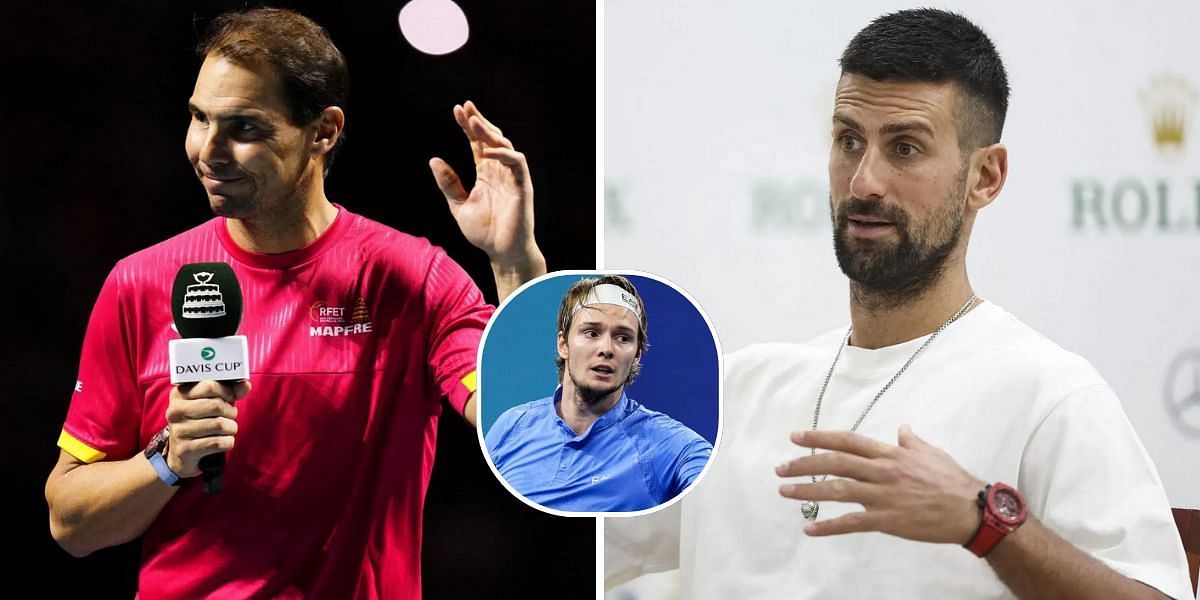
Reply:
x=312, y=70
x=926, y=44
x=574, y=298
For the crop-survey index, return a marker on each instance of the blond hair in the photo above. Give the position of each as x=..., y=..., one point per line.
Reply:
x=574, y=298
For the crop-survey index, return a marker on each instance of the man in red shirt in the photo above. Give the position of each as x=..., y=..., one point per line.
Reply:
x=356, y=331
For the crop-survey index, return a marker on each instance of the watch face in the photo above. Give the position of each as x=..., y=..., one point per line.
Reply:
x=157, y=443
x=1007, y=504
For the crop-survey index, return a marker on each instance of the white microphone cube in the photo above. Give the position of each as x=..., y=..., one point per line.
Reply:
x=201, y=359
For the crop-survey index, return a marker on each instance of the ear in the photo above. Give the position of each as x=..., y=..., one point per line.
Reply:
x=989, y=170
x=562, y=346
x=329, y=125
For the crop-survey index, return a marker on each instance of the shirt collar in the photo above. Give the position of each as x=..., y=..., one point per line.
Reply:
x=285, y=260
x=614, y=415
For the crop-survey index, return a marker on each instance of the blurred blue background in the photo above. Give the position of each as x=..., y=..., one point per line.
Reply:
x=680, y=370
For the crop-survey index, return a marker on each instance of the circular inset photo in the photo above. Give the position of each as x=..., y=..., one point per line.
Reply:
x=599, y=393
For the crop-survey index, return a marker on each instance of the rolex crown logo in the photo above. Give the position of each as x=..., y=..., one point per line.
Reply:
x=1169, y=102
x=1168, y=129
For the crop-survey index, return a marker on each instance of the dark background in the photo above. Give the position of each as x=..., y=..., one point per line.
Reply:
x=92, y=168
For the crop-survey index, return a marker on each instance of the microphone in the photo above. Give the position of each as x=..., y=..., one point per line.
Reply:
x=206, y=304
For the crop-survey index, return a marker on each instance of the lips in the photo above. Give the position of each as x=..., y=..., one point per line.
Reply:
x=863, y=226
x=603, y=370
x=221, y=184
x=868, y=219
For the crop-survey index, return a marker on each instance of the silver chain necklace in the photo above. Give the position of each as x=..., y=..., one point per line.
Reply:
x=810, y=508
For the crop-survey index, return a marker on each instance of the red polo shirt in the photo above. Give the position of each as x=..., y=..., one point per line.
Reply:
x=353, y=341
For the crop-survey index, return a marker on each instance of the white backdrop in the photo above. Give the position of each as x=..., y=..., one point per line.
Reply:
x=717, y=120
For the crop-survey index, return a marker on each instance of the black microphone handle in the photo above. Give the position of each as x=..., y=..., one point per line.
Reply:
x=211, y=468
x=213, y=465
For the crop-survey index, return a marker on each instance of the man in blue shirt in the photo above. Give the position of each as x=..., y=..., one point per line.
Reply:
x=589, y=447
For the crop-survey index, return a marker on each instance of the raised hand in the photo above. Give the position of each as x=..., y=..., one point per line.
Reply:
x=496, y=215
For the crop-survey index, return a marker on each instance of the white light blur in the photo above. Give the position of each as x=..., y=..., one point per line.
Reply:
x=434, y=26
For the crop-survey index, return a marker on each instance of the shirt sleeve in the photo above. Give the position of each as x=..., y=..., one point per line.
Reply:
x=494, y=440
x=104, y=415
x=686, y=453
x=636, y=546
x=1086, y=475
x=691, y=461
x=458, y=312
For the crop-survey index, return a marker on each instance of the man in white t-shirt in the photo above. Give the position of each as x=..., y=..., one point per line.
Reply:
x=937, y=428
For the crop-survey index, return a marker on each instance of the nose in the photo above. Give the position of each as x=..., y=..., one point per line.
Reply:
x=606, y=346
x=214, y=147
x=869, y=179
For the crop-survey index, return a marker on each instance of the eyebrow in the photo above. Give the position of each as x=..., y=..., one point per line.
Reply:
x=848, y=122
x=890, y=128
x=616, y=328
x=907, y=126
x=235, y=113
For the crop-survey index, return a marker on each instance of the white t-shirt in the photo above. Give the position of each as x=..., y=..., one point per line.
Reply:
x=1005, y=402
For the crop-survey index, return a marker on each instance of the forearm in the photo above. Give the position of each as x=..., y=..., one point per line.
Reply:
x=1035, y=563
x=511, y=274
x=94, y=506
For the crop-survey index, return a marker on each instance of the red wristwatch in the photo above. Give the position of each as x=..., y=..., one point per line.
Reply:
x=1003, y=510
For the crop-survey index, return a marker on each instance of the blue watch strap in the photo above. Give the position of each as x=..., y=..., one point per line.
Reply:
x=165, y=474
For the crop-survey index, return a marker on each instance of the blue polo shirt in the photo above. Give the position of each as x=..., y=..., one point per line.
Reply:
x=631, y=458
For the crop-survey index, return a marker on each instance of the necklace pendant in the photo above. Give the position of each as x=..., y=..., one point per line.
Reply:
x=810, y=509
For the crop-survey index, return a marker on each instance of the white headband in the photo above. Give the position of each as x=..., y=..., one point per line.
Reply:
x=607, y=293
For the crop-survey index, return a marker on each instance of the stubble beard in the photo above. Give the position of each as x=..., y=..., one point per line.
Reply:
x=260, y=206
x=588, y=394
x=236, y=207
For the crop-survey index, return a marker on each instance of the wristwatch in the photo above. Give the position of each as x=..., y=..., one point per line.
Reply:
x=1003, y=510
x=156, y=453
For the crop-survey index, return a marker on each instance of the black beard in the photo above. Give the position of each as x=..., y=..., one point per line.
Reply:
x=900, y=273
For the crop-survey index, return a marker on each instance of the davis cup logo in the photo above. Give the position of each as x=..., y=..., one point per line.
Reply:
x=203, y=300
x=207, y=353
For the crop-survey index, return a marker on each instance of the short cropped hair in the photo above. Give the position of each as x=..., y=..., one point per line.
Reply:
x=936, y=46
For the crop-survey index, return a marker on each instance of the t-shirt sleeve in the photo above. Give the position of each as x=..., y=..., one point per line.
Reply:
x=687, y=453
x=104, y=415
x=1086, y=475
x=692, y=459
x=636, y=546
x=458, y=313
x=498, y=434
